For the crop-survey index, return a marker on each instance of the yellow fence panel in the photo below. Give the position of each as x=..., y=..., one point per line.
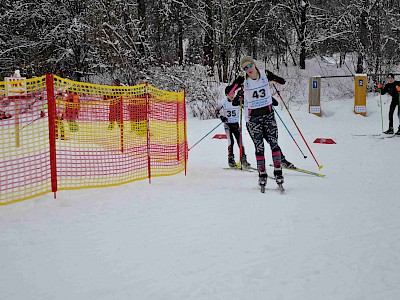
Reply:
x=61, y=135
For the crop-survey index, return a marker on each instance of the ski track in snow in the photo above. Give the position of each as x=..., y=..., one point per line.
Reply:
x=213, y=235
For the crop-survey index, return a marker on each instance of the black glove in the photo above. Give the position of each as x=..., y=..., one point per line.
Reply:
x=272, y=77
x=239, y=80
x=223, y=119
x=228, y=89
x=42, y=114
x=240, y=93
x=280, y=80
x=274, y=102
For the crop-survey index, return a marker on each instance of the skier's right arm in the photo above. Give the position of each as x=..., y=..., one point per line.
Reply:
x=219, y=115
x=217, y=111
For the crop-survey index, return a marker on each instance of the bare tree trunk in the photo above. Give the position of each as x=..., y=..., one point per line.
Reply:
x=180, y=39
x=363, y=42
x=142, y=24
x=208, y=47
x=302, y=37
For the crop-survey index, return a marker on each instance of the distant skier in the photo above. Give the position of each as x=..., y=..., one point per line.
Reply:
x=72, y=108
x=230, y=115
x=115, y=113
x=137, y=110
x=391, y=88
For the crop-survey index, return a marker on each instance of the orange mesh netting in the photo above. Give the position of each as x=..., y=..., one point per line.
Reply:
x=58, y=134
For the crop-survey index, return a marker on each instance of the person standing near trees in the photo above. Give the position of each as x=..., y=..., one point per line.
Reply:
x=262, y=123
x=138, y=112
x=72, y=108
x=391, y=88
x=60, y=112
x=115, y=113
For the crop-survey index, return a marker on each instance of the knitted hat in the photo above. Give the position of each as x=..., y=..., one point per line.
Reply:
x=391, y=75
x=245, y=59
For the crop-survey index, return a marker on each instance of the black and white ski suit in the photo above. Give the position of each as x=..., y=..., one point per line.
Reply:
x=390, y=88
x=262, y=124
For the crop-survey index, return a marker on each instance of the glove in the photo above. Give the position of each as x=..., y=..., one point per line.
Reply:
x=239, y=80
x=379, y=85
x=42, y=114
x=398, y=88
x=280, y=80
x=223, y=119
x=228, y=89
x=272, y=77
x=274, y=102
x=240, y=93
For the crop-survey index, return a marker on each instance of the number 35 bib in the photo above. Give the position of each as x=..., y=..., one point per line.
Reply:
x=257, y=92
x=231, y=112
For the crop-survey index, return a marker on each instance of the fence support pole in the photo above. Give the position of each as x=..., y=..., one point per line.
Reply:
x=52, y=131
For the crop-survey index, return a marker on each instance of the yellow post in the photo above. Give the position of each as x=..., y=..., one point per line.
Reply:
x=360, y=94
x=314, y=95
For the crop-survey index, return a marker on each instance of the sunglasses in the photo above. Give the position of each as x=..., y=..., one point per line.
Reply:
x=248, y=67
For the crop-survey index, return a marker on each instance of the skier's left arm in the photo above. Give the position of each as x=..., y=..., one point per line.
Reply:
x=272, y=77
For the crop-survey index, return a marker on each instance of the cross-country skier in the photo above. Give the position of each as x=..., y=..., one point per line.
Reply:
x=262, y=123
x=390, y=88
x=229, y=113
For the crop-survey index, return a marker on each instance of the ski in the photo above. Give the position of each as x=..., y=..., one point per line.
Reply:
x=248, y=169
x=237, y=168
x=385, y=136
x=372, y=134
x=303, y=171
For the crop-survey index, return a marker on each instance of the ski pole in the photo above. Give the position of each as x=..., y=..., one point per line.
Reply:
x=29, y=124
x=241, y=135
x=319, y=166
x=289, y=132
x=380, y=100
x=398, y=108
x=205, y=136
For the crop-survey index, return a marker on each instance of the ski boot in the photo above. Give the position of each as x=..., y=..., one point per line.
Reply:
x=231, y=161
x=287, y=164
x=262, y=180
x=398, y=132
x=389, y=131
x=244, y=162
x=279, y=179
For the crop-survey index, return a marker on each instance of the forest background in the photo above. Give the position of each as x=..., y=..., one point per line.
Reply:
x=196, y=45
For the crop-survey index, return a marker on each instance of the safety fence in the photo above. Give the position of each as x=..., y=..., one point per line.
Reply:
x=58, y=134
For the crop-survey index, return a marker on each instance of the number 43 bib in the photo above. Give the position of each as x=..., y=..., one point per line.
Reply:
x=257, y=92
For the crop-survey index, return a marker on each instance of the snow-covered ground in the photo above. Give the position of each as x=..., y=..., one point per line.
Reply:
x=213, y=235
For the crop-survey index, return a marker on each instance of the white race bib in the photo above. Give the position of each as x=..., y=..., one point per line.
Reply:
x=257, y=92
x=231, y=112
